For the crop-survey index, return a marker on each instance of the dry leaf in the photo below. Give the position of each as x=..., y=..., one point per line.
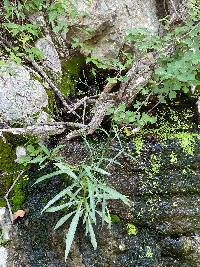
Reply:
x=18, y=214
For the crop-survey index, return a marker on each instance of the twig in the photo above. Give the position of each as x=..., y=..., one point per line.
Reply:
x=84, y=110
x=9, y=191
x=154, y=106
x=88, y=99
x=51, y=84
x=144, y=102
x=78, y=104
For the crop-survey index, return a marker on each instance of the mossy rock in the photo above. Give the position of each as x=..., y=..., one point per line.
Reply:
x=9, y=171
x=71, y=72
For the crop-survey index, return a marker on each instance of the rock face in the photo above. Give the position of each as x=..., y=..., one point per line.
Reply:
x=159, y=173
x=51, y=58
x=103, y=24
x=21, y=97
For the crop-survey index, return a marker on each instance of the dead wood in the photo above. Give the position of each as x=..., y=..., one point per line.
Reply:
x=42, y=129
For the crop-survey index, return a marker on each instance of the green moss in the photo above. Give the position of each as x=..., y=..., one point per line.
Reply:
x=2, y=202
x=18, y=195
x=49, y=91
x=115, y=218
x=7, y=166
x=71, y=73
x=50, y=108
x=9, y=170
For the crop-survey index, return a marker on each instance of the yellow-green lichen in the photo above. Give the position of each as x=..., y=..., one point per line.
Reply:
x=131, y=229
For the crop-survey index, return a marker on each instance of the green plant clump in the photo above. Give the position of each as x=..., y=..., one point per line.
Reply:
x=85, y=197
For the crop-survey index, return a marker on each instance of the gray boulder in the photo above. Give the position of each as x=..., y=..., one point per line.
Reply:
x=103, y=24
x=22, y=99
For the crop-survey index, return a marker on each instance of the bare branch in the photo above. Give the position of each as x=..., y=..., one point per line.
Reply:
x=50, y=129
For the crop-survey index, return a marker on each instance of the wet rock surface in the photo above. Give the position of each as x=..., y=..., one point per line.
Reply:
x=166, y=215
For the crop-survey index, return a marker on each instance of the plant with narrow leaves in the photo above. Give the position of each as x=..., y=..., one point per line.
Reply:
x=86, y=196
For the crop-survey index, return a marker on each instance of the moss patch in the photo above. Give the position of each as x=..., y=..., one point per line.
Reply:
x=9, y=170
x=71, y=72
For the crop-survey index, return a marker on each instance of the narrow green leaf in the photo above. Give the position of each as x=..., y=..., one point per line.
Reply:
x=63, y=220
x=72, y=230
x=92, y=235
x=60, y=207
x=101, y=171
x=66, y=169
x=103, y=208
x=58, y=196
x=45, y=149
x=92, y=201
x=47, y=176
x=106, y=218
x=113, y=194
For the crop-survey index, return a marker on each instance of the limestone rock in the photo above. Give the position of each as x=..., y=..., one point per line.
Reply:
x=22, y=98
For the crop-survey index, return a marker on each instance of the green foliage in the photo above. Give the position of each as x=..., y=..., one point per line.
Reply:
x=86, y=196
x=176, y=71
x=40, y=154
x=120, y=115
x=17, y=25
